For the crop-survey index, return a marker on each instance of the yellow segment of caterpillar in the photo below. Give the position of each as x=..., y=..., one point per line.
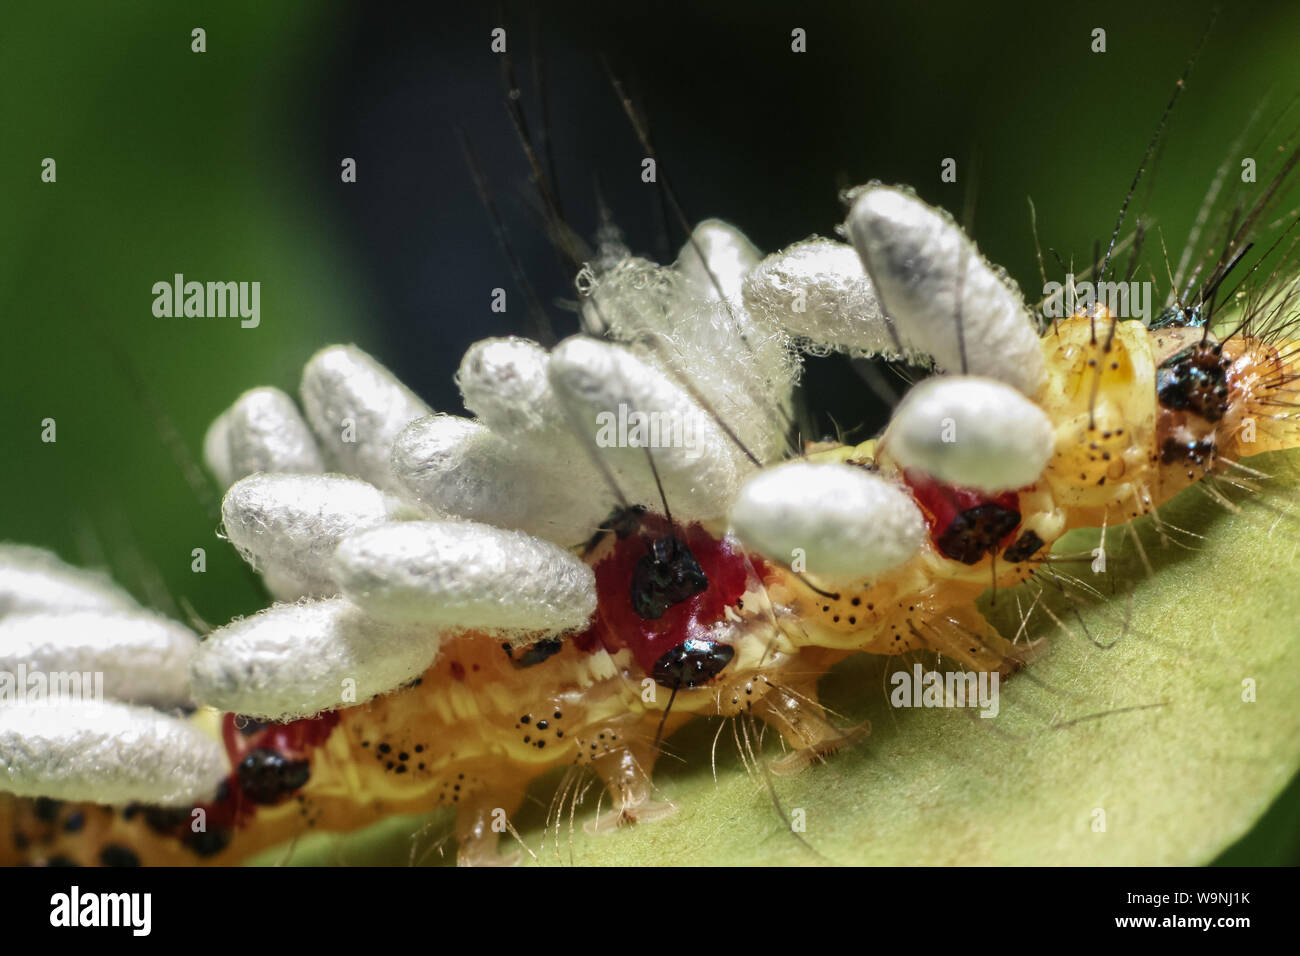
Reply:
x=1138, y=415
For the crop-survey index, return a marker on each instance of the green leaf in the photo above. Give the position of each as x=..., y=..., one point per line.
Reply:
x=168, y=162
x=1153, y=731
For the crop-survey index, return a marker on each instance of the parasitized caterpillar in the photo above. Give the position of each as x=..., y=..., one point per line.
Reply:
x=766, y=655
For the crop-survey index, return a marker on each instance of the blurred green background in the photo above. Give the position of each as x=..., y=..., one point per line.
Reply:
x=224, y=165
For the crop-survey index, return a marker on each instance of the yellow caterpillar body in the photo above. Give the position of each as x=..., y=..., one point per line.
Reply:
x=1138, y=415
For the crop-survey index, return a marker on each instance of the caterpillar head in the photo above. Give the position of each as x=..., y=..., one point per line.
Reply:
x=1142, y=413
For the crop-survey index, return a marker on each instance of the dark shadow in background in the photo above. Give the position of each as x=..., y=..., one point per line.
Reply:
x=746, y=131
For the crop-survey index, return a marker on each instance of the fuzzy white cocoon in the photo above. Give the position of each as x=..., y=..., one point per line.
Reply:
x=973, y=432
x=818, y=291
x=216, y=450
x=468, y=576
x=295, y=660
x=107, y=753
x=287, y=526
x=846, y=524
x=357, y=408
x=144, y=657
x=740, y=364
x=504, y=383
x=728, y=256
x=918, y=259
x=458, y=468
x=607, y=390
x=261, y=431
x=33, y=579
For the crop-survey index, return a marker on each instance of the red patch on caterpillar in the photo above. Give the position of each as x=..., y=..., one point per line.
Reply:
x=965, y=524
x=292, y=742
x=617, y=623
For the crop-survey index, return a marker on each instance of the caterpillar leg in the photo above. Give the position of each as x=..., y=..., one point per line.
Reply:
x=480, y=821
x=963, y=634
x=792, y=709
x=625, y=771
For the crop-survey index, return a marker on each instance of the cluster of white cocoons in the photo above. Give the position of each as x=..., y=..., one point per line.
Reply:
x=972, y=432
x=384, y=527
x=371, y=583
x=500, y=498
x=66, y=637
x=839, y=522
